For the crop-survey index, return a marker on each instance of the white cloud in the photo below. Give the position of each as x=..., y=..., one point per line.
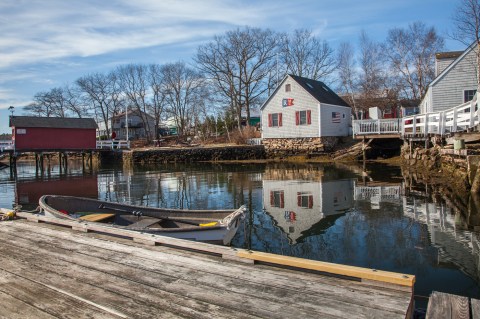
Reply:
x=44, y=30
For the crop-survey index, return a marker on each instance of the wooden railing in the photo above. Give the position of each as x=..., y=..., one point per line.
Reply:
x=458, y=118
x=254, y=141
x=113, y=144
x=6, y=145
x=382, y=126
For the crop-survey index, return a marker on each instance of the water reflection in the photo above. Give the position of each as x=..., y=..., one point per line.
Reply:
x=379, y=218
x=297, y=206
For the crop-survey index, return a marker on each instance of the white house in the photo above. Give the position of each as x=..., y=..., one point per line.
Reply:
x=455, y=82
x=304, y=114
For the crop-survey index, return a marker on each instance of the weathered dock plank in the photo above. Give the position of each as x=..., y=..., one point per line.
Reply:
x=442, y=305
x=116, y=277
x=475, y=304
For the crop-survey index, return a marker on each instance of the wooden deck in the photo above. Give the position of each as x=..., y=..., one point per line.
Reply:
x=446, y=306
x=50, y=271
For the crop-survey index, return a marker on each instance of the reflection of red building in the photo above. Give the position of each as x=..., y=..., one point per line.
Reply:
x=31, y=133
x=29, y=192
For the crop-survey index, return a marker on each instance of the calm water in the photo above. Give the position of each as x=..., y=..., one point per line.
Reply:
x=322, y=212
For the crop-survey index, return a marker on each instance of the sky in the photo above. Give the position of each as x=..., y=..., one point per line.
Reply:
x=51, y=43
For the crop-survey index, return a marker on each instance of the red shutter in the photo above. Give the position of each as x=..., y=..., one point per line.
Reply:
x=310, y=201
x=270, y=120
x=309, y=117
x=299, y=199
x=282, y=200
x=272, y=199
x=279, y=119
x=297, y=118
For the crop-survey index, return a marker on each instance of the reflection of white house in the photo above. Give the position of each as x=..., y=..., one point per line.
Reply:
x=454, y=245
x=297, y=205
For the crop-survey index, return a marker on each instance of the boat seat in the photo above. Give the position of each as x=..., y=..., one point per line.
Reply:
x=143, y=223
x=96, y=217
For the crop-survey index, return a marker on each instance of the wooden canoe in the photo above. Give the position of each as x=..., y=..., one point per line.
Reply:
x=214, y=226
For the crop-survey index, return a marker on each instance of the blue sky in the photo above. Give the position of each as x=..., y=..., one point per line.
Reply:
x=49, y=43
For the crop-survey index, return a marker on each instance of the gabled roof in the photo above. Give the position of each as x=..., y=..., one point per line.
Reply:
x=319, y=90
x=132, y=112
x=453, y=64
x=52, y=122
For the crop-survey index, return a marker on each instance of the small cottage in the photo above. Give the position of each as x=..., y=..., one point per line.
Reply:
x=304, y=116
x=30, y=133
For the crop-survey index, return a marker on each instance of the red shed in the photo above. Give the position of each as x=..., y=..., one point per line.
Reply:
x=31, y=133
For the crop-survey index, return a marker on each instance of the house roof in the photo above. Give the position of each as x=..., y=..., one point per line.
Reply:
x=131, y=112
x=52, y=122
x=319, y=90
x=453, y=64
x=448, y=55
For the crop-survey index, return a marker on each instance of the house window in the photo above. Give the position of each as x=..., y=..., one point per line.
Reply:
x=277, y=199
x=275, y=119
x=468, y=95
x=303, y=117
x=304, y=200
x=288, y=88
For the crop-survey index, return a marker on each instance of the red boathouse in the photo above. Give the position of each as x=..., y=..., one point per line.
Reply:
x=31, y=133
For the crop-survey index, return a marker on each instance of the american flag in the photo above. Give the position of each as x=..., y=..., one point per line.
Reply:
x=335, y=117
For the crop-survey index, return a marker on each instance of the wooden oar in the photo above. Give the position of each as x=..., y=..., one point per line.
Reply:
x=139, y=213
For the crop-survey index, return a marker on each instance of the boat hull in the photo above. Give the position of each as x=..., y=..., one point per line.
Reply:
x=212, y=226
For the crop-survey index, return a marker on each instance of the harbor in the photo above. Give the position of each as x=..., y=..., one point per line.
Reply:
x=337, y=215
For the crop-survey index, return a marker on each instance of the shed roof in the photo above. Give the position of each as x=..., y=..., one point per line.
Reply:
x=320, y=91
x=52, y=122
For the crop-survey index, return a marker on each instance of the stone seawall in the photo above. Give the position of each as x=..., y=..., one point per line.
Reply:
x=197, y=154
x=278, y=147
x=456, y=169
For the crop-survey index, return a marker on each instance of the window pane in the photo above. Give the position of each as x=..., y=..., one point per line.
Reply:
x=275, y=119
x=468, y=95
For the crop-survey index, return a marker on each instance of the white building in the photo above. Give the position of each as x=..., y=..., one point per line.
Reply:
x=302, y=109
x=455, y=82
x=140, y=125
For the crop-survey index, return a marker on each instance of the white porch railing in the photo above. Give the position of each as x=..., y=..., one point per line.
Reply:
x=254, y=141
x=382, y=126
x=113, y=144
x=6, y=145
x=458, y=118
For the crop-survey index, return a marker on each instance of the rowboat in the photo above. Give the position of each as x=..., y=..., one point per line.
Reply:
x=213, y=226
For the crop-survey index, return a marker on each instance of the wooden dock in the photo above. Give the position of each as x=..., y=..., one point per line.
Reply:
x=53, y=271
x=445, y=306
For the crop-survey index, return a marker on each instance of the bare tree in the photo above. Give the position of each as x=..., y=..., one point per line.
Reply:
x=184, y=93
x=239, y=64
x=305, y=55
x=372, y=77
x=134, y=84
x=159, y=95
x=103, y=93
x=347, y=73
x=74, y=101
x=50, y=103
x=466, y=20
x=411, y=55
